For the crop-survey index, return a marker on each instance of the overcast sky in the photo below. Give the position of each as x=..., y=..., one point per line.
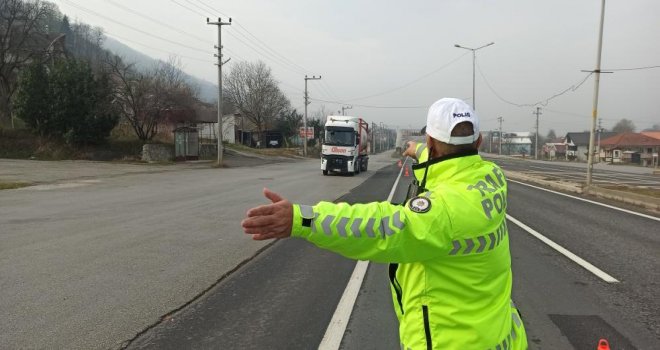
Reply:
x=403, y=53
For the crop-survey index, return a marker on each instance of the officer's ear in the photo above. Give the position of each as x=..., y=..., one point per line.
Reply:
x=479, y=140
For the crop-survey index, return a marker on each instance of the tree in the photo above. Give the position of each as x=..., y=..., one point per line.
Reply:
x=33, y=99
x=288, y=123
x=654, y=127
x=144, y=97
x=624, y=125
x=66, y=101
x=81, y=108
x=251, y=88
x=551, y=135
x=321, y=113
x=21, y=27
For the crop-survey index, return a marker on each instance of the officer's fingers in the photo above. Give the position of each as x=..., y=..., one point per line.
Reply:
x=259, y=221
x=275, y=232
x=267, y=209
x=274, y=197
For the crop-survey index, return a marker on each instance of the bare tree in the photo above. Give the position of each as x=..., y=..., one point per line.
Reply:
x=322, y=113
x=21, y=30
x=251, y=88
x=145, y=99
x=624, y=125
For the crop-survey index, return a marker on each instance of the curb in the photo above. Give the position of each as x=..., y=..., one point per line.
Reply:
x=643, y=201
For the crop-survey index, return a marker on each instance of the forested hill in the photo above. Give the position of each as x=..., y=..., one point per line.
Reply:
x=208, y=92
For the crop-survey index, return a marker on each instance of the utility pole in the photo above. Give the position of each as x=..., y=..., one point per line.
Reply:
x=219, y=23
x=500, y=138
x=594, y=114
x=305, y=119
x=536, y=143
x=345, y=107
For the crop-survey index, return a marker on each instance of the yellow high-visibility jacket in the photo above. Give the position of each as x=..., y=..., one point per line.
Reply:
x=450, y=266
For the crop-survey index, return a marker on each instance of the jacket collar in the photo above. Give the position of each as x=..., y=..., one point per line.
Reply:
x=443, y=168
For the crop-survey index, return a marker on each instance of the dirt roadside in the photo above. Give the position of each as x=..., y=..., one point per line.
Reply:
x=649, y=203
x=16, y=173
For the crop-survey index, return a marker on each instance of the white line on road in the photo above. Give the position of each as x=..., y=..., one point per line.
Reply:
x=588, y=201
x=591, y=268
x=337, y=327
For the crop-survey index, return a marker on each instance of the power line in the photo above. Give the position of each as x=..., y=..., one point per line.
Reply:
x=636, y=68
x=332, y=93
x=167, y=26
x=411, y=82
x=84, y=9
x=256, y=38
x=568, y=113
x=283, y=62
x=155, y=48
x=263, y=54
x=543, y=102
x=369, y=106
x=127, y=9
x=188, y=8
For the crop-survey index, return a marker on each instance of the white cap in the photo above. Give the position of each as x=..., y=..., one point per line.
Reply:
x=443, y=116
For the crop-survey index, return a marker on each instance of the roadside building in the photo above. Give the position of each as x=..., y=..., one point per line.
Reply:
x=653, y=134
x=630, y=148
x=555, y=149
x=516, y=143
x=577, y=144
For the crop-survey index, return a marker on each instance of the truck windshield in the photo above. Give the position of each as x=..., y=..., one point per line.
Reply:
x=338, y=136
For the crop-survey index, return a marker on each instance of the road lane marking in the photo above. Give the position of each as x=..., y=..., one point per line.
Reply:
x=588, y=201
x=588, y=266
x=337, y=327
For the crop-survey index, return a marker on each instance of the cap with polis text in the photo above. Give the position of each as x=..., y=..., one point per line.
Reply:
x=445, y=114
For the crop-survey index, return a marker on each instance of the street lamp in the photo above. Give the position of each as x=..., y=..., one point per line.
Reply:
x=474, y=57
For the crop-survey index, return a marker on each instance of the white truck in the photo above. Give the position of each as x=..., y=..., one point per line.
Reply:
x=346, y=145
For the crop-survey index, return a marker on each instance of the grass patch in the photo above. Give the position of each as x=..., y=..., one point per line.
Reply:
x=282, y=152
x=637, y=190
x=22, y=144
x=13, y=185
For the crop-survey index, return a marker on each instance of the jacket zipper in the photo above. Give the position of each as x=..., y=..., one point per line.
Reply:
x=427, y=328
x=395, y=284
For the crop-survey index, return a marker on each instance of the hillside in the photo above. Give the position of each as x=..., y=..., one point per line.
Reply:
x=208, y=92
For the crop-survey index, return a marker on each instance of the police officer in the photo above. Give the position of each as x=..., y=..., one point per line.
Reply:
x=448, y=246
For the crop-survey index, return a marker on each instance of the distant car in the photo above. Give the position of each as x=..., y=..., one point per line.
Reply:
x=273, y=143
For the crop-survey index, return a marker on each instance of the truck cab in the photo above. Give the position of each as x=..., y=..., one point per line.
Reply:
x=345, y=147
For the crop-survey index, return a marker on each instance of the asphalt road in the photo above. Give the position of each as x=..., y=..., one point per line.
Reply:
x=86, y=268
x=564, y=305
x=91, y=262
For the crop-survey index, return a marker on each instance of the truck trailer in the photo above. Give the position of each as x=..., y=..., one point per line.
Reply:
x=346, y=145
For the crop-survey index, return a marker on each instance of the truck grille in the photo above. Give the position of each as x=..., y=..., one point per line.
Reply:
x=337, y=162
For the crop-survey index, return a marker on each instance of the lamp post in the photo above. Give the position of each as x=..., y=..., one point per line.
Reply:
x=474, y=58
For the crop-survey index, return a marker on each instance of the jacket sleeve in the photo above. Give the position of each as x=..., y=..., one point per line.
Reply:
x=378, y=231
x=421, y=152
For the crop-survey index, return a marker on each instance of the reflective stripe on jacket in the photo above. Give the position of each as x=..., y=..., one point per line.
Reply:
x=449, y=249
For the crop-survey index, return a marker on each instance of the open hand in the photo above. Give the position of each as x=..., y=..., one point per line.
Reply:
x=271, y=220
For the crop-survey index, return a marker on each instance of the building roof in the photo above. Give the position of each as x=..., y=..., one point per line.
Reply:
x=653, y=134
x=582, y=138
x=629, y=139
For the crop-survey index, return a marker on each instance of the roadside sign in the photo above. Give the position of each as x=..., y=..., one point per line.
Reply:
x=309, y=134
